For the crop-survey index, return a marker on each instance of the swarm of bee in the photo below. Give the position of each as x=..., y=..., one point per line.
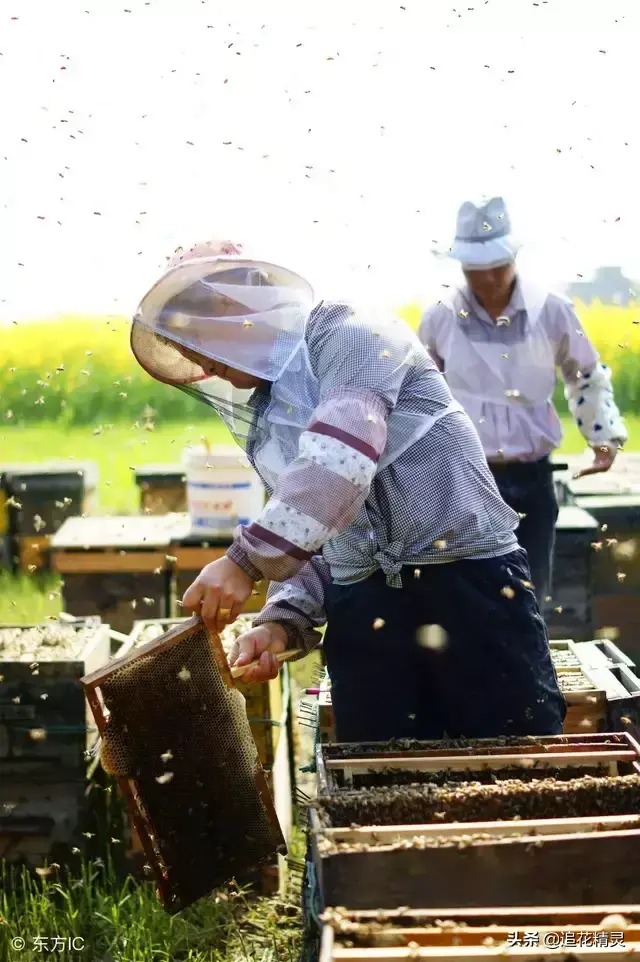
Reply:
x=487, y=776
x=47, y=642
x=470, y=745
x=477, y=802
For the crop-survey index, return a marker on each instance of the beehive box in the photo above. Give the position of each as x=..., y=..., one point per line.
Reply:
x=30, y=553
x=563, y=654
x=46, y=494
x=349, y=766
x=530, y=841
x=39, y=819
x=622, y=688
x=562, y=931
x=162, y=489
x=586, y=700
x=326, y=720
x=45, y=725
x=622, y=479
x=191, y=553
x=616, y=562
x=602, y=653
x=115, y=567
x=569, y=614
x=619, y=616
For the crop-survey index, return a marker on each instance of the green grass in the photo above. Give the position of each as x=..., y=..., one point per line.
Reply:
x=121, y=447
x=117, y=449
x=120, y=919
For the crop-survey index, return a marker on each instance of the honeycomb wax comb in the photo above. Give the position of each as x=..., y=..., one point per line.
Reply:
x=176, y=734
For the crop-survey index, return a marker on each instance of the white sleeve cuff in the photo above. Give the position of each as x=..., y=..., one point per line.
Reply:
x=592, y=404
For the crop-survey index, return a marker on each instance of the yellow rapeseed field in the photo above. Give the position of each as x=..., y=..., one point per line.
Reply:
x=612, y=329
x=81, y=368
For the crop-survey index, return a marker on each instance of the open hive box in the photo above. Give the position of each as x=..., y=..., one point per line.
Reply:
x=326, y=721
x=586, y=700
x=116, y=567
x=43, y=713
x=509, y=822
x=560, y=932
x=44, y=733
x=569, y=612
x=179, y=741
x=564, y=654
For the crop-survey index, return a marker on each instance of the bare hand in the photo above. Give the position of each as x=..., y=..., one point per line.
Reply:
x=218, y=593
x=605, y=455
x=263, y=642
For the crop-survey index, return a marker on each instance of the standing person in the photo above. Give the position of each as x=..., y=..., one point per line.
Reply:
x=499, y=340
x=383, y=517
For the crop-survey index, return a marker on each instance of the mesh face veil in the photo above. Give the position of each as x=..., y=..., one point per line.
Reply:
x=208, y=313
x=245, y=315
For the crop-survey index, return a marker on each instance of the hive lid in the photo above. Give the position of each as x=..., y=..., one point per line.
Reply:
x=219, y=456
x=160, y=471
x=572, y=518
x=89, y=469
x=138, y=532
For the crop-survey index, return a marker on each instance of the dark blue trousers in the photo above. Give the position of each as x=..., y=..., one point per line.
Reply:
x=528, y=488
x=493, y=676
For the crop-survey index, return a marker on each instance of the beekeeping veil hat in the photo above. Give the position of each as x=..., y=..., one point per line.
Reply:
x=248, y=315
x=483, y=236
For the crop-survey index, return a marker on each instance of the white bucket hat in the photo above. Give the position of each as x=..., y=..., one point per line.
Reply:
x=483, y=235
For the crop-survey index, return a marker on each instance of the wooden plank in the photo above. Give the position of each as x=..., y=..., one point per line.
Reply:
x=579, y=869
x=473, y=763
x=136, y=532
x=473, y=953
x=32, y=551
x=384, y=835
x=534, y=915
x=90, y=562
x=399, y=936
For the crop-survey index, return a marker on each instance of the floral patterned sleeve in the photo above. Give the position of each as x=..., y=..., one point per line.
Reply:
x=322, y=490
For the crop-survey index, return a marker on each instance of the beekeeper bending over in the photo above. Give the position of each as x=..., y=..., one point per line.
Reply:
x=499, y=340
x=383, y=518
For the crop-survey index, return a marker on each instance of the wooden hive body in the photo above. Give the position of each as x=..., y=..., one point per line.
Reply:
x=514, y=822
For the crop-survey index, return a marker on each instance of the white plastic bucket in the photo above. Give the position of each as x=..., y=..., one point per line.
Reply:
x=223, y=490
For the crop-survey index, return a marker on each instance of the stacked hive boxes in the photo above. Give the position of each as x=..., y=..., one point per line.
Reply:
x=599, y=684
x=45, y=730
x=478, y=832
x=35, y=502
x=540, y=933
x=568, y=610
x=123, y=568
x=613, y=499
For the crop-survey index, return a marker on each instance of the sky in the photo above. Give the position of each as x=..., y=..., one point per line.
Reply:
x=335, y=137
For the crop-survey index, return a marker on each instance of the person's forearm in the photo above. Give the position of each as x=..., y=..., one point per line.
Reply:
x=298, y=605
x=321, y=492
x=592, y=404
